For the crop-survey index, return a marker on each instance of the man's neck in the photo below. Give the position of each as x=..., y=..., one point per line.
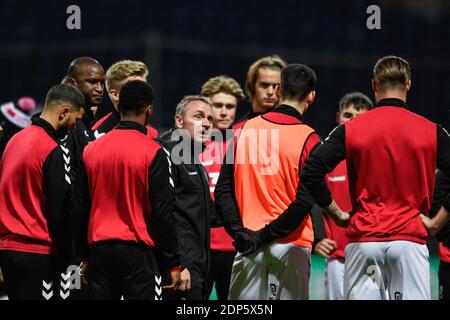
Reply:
x=299, y=106
x=258, y=109
x=50, y=118
x=391, y=94
x=138, y=119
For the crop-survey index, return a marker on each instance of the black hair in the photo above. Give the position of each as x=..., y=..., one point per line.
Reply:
x=357, y=99
x=134, y=97
x=67, y=93
x=297, y=81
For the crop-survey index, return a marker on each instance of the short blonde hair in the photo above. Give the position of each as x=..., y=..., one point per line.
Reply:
x=392, y=72
x=270, y=62
x=119, y=71
x=223, y=84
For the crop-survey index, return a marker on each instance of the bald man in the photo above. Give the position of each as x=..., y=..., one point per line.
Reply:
x=88, y=76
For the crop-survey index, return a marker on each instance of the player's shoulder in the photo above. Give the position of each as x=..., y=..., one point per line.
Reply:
x=100, y=121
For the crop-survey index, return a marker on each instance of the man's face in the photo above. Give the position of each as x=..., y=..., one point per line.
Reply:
x=266, y=82
x=91, y=82
x=224, y=110
x=197, y=121
x=69, y=119
x=348, y=113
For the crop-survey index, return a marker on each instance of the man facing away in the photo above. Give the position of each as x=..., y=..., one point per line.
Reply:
x=273, y=261
x=124, y=199
x=392, y=155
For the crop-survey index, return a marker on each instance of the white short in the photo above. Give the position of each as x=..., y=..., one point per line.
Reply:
x=395, y=270
x=334, y=279
x=275, y=272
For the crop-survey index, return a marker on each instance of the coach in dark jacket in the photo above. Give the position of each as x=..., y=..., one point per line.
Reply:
x=193, y=207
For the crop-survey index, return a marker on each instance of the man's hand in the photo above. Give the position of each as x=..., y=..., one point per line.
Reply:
x=84, y=271
x=325, y=247
x=175, y=276
x=429, y=225
x=437, y=222
x=185, y=280
x=341, y=218
x=446, y=243
x=247, y=241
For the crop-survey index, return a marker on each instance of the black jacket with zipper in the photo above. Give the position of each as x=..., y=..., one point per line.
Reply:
x=193, y=207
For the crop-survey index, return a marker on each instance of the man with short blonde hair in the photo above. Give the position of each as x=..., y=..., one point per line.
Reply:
x=117, y=75
x=225, y=93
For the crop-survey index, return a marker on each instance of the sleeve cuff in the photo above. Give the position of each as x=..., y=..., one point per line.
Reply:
x=324, y=201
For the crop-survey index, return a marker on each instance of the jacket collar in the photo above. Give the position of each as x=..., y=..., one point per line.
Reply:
x=391, y=102
x=288, y=110
x=36, y=121
x=131, y=125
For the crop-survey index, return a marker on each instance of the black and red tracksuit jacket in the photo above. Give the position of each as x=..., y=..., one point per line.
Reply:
x=35, y=192
x=124, y=192
x=392, y=155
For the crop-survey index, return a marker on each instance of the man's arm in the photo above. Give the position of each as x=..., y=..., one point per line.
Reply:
x=57, y=191
x=327, y=157
x=294, y=215
x=161, y=199
x=226, y=206
x=81, y=212
x=248, y=241
x=443, y=158
x=441, y=200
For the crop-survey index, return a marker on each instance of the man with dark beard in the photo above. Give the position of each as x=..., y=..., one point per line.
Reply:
x=34, y=199
x=88, y=76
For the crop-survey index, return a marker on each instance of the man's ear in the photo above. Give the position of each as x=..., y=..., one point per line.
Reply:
x=179, y=121
x=63, y=112
x=150, y=111
x=114, y=95
x=310, y=97
x=278, y=91
x=72, y=81
x=338, y=117
x=374, y=86
x=408, y=85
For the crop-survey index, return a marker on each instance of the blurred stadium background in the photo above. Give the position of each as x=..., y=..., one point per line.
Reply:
x=186, y=42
